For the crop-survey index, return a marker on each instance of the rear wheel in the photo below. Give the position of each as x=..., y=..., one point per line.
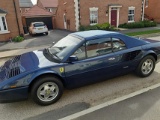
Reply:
x=47, y=90
x=146, y=66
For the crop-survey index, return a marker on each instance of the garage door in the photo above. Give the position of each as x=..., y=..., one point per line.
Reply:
x=46, y=20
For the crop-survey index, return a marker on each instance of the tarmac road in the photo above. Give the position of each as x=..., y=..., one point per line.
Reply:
x=145, y=106
x=36, y=41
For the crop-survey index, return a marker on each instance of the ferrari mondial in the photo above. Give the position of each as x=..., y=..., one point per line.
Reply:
x=78, y=59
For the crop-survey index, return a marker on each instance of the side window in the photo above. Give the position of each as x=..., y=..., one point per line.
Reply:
x=98, y=47
x=118, y=44
x=80, y=52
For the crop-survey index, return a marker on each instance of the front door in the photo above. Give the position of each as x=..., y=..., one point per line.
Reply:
x=114, y=17
x=95, y=63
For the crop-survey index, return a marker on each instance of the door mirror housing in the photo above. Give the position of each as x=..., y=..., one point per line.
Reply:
x=73, y=58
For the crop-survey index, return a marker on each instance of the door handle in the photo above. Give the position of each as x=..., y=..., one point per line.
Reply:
x=88, y=64
x=111, y=59
x=85, y=65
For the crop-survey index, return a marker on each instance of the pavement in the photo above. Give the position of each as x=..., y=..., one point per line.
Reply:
x=141, y=107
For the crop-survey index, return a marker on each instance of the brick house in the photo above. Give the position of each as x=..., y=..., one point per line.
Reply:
x=151, y=10
x=25, y=5
x=37, y=14
x=10, y=20
x=73, y=13
x=50, y=5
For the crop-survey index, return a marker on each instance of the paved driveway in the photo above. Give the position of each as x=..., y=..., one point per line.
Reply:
x=38, y=40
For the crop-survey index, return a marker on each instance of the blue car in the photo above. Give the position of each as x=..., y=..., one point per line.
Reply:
x=78, y=59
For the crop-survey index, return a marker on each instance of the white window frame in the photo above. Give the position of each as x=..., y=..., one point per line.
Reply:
x=20, y=10
x=50, y=10
x=146, y=3
x=2, y=31
x=131, y=8
x=93, y=9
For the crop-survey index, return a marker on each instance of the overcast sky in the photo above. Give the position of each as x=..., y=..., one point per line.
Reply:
x=34, y=1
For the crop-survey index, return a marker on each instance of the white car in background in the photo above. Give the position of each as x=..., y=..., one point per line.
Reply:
x=38, y=28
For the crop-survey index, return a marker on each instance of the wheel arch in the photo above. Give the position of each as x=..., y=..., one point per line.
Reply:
x=44, y=75
x=152, y=54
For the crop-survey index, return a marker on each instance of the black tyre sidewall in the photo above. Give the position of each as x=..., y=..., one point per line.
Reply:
x=40, y=82
x=138, y=70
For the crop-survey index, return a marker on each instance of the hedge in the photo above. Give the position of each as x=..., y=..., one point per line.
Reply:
x=18, y=39
x=104, y=26
x=140, y=24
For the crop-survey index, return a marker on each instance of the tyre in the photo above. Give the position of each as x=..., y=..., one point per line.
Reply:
x=46, y=33
x=47, y=90
x=146, y=66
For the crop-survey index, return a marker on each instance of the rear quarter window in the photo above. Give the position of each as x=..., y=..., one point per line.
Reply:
x=38, y=24
x=118, y=44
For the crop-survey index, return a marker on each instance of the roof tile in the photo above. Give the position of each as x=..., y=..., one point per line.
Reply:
x=37, y=11
x=25, y=3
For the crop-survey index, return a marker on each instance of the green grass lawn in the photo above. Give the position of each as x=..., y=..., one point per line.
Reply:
x=143, y=32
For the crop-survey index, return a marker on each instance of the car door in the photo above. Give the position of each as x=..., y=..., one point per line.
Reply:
x=127, y=59
x=95, y=62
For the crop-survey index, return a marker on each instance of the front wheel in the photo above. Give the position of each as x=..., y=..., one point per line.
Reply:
x=47, y=90
x=146, y=66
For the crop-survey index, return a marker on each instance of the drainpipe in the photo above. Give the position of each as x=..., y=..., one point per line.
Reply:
x=143, y=7
x=16, y=16
x=76, y=7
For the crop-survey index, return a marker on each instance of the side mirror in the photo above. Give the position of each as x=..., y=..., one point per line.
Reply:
x=73, y=58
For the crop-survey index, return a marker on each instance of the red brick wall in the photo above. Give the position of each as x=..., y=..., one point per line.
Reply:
x=68, y=9
x=152, y=10
x=11, y=19
x=103, y=7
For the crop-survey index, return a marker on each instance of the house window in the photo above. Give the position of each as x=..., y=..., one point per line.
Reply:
x=3, y=24
x=20, y=10
x=131, y=13
x=50, y=9
x=146, y=3
x=93, y=16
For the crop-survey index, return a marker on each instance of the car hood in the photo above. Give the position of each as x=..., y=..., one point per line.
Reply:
x=26, y=62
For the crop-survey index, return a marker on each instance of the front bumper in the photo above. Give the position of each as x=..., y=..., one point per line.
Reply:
x=13, y=95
